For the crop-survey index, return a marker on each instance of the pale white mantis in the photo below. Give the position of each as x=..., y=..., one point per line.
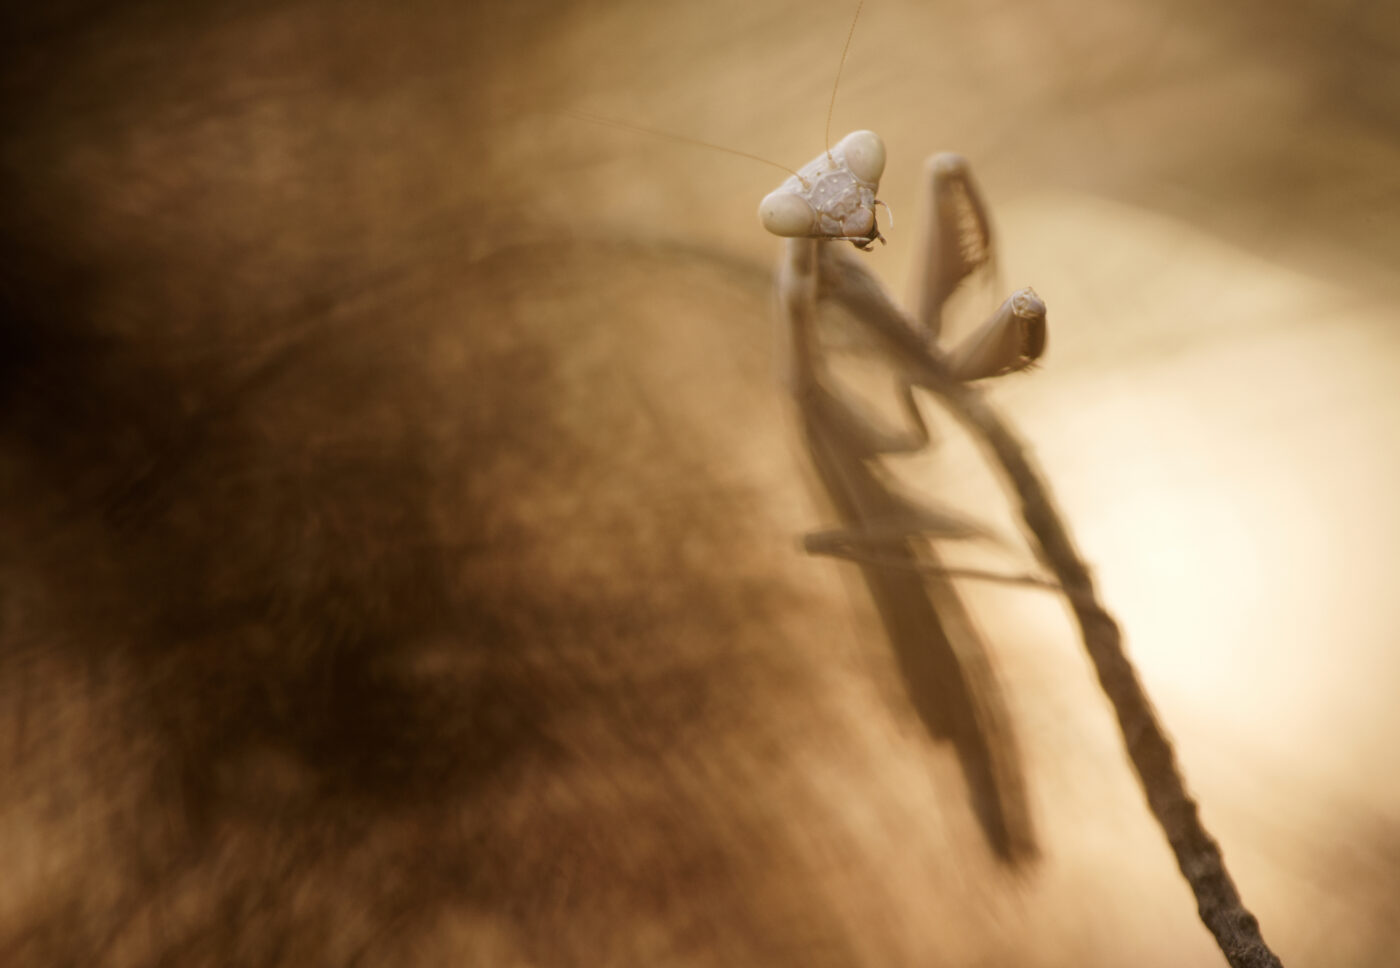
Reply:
x=890, y=533
x=942, y=658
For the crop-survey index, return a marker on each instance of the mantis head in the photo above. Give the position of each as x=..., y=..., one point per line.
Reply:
x=832, y=197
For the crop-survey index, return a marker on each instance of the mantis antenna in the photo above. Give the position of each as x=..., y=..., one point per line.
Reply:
x=683, y=139
x=831, y=197
x=836, y=85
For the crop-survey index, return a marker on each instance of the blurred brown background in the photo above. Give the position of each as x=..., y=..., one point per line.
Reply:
x=400, y=511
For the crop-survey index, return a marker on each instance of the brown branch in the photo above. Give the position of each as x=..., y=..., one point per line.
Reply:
x=1236, y=930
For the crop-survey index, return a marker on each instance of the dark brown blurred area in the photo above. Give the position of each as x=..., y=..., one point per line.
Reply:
x=400, y=511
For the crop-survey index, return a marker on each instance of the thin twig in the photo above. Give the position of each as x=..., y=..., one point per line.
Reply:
x=1236, y=930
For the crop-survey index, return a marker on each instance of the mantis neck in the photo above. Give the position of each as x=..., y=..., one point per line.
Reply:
x=797, y=304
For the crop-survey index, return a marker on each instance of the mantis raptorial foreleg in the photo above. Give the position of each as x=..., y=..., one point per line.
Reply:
x=957, y=238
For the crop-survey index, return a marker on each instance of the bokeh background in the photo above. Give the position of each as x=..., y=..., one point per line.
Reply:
x=400, y=508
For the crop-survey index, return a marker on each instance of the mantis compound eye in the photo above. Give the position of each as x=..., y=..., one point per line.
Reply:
x=787, y=214
x=864, y=153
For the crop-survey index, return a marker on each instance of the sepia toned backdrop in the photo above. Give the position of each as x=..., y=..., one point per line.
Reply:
x=401, y=511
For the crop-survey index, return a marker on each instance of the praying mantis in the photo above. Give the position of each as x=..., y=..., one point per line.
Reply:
x=890, y=534
x=886, y=531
